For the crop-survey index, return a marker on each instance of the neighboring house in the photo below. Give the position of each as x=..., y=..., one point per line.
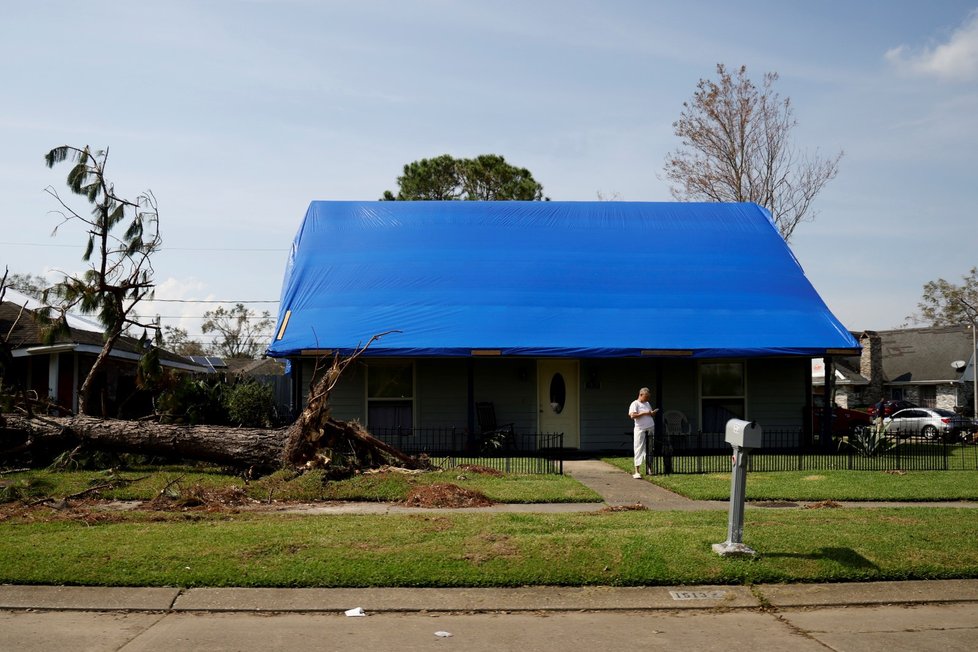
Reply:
x=260, y=368
x=213, y=364
x=271, y=372
x=56, y=370
x=930, y=367
x=556, y=313
x=848, y=385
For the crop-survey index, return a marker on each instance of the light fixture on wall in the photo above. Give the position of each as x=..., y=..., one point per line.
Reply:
x=593, y=382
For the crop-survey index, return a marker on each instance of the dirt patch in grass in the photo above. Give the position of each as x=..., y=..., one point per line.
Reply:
x=637, y=507
x=823, y=504
x=775, y=503
x=445, y=495
x=482, y=470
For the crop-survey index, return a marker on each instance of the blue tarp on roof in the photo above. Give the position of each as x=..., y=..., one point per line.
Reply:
x=565, y=279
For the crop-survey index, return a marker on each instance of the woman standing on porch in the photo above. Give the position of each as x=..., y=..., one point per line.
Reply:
x=642, y=413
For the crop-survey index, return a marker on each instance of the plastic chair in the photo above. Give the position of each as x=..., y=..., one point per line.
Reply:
x=675, y=423
x=501, y=434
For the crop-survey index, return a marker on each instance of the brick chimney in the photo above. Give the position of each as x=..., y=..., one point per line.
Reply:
x=871, y=365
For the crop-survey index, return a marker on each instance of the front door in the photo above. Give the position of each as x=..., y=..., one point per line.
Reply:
x=557, y=399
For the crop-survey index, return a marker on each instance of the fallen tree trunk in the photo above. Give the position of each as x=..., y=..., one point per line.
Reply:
x=344, y=446
x=238, y=447
x=315, y=440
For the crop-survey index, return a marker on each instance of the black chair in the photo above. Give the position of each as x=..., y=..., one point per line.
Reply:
x=493, y=435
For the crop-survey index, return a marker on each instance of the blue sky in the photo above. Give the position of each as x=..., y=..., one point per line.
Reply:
x=238, y=113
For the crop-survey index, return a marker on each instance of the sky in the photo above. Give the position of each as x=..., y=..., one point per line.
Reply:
x=238, y=113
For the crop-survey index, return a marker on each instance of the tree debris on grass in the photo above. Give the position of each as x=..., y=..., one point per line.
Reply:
x=637, y=507
x=445, y=495
x=823, y=504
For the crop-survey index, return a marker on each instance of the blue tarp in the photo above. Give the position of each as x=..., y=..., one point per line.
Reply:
x=564, y=279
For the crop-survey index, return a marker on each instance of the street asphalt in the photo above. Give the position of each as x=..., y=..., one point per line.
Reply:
x=891, y=616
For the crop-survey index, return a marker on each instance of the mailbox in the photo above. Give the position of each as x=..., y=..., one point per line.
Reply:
x=743, y=434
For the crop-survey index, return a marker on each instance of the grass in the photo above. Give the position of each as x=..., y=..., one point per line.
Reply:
x=824, y=485
x=145, y=484
x=210, y=546
x=606, y=548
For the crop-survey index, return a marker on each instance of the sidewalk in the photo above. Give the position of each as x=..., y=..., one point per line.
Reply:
x=921, y=616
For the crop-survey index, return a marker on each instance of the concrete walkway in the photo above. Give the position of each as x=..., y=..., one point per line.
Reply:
x=617, y=488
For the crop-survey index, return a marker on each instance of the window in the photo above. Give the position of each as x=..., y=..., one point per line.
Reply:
x=928, y=396
x=721, y=394
x=558, y=393
x=390, y=396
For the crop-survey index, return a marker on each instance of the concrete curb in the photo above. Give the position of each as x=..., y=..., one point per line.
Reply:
x=489, y=600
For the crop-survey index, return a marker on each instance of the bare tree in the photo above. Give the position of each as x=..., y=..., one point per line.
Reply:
x=122, y=236
x=736, y=147
x=178, y=341
x=242, y=333
x=29, y=284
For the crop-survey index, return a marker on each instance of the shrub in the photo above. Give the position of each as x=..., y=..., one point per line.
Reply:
x=250, y=403
x=869, y=442
x=192, y=400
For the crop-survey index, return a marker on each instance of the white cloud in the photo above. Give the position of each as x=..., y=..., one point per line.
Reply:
x=181, y=315
x=955, y=60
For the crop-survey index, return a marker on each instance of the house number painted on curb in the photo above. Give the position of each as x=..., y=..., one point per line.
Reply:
x=697, y=595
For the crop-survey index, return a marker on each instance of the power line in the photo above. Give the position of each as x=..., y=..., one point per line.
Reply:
x=209, y=301
x=50, y=244
x=145, y=318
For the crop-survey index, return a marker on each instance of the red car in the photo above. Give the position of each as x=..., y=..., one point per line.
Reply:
x=843, y=421
x=889, y=407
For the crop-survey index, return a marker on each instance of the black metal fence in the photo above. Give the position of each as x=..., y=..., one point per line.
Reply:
x=536, y=453
x=788, y=450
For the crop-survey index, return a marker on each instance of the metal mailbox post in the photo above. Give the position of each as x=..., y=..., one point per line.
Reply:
x=744, y=436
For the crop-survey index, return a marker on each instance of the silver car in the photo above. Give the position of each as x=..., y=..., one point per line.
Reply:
x=931, y=423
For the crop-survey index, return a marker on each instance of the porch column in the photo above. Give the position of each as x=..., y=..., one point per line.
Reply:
x=829, y=402
x=53, y=376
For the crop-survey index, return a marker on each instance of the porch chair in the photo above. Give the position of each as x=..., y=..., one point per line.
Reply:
x=675, y=428
x=675, y=423
x=492, y=434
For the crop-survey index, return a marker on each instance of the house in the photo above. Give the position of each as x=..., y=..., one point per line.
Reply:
x=556, y=313
x=56, y=370
x=930, y=367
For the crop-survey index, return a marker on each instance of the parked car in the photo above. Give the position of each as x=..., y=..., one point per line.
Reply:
x=931, y=423
x=890, y=407
x=844, y=421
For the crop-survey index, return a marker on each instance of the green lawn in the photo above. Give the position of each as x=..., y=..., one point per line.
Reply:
x=430, y=549
x=824, y=485
x=207, y=546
